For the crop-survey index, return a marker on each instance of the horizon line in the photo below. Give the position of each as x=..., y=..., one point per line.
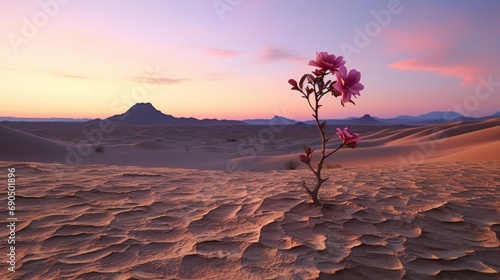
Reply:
x=83, y=119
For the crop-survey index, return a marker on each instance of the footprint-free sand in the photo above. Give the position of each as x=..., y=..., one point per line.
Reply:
x=113, y=222
x=219, y=202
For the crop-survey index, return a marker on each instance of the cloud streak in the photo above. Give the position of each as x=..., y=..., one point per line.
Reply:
x=402, y=41
x=273, y=54
x=440, y=46
x=219, y=52
x=141, y=79
x=158, y=80
x=70, y=76
x=467, y=73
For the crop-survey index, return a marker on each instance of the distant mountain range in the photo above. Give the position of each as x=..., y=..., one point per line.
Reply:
x=147, y=114
x=434, y=118
x=424, y=119
x=274, y=120
x=431, y=116
x=364, y=120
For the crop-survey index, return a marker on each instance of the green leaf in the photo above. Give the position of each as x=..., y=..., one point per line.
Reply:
x=352, y=102
x=323, y=124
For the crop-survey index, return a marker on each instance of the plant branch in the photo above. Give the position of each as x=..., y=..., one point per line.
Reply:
x=323, y=137
x=309, y=101
x=330, y=153
x=305, y=187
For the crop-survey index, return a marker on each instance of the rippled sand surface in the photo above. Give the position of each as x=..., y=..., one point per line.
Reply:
x=432, y=221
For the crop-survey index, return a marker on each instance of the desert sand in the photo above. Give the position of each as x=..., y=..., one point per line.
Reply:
x=244, y=147
x=429, y=221
x=152, y=202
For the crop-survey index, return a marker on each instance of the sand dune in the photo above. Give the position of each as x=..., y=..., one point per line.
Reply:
x=21, y=146
x=244, y=147
x=469, y=133
x=117, y=222
x=160, y=202
x=487, y=151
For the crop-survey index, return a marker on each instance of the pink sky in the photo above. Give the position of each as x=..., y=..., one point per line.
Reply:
x=232, y=59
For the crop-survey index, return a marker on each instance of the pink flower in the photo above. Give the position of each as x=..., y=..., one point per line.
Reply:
x=307, y=157
x=318, y=72
x=327, y=61
x=348, y=84
x=348, y=138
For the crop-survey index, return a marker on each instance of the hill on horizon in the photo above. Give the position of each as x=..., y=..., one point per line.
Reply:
x=276, y=120
x=147, y=114
x=365, y=120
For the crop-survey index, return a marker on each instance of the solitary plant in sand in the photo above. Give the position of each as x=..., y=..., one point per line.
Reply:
x=316, y=86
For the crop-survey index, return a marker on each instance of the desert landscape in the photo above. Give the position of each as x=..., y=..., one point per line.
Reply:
x=231, y=139
x=139, y=138
x=205, y=202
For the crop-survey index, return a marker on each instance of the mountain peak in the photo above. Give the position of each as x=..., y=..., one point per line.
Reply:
x=365, y=120
x=140, y=104
x=143, y=106
x=147, y=114
x=144, y=113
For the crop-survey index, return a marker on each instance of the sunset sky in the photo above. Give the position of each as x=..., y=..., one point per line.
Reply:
x=232, y=58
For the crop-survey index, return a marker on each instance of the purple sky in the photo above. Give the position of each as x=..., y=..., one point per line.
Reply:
x=232, y=58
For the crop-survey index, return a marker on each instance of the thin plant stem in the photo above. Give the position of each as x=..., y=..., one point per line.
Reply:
x=319, y=180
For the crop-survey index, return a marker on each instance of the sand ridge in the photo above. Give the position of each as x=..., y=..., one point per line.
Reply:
x=244, y=147
x=119, y=222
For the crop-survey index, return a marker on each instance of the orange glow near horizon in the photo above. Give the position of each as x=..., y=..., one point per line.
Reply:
x=91, y=61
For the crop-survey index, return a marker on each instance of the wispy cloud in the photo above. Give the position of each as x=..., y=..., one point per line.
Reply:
x=48, y=72
x=402, y=41
x=272, y=54
x=467, y=73
x=219, y=52
x=70, y=76
x=150, y=79
x=158, y=80
x=442, y=47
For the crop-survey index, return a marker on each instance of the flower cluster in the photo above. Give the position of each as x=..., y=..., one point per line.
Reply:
x=346, y=86
x=327, y=62
x=348, y=138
